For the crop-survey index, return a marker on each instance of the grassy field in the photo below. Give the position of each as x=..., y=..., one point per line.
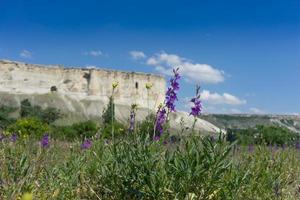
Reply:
x=136, y=167
x=142, y=160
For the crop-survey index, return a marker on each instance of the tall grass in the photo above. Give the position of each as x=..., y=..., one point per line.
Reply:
x=138, y=168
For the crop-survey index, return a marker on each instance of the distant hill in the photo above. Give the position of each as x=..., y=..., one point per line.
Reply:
x=240, y=121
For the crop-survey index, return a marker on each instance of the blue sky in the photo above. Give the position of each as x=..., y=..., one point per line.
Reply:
x=245, y=54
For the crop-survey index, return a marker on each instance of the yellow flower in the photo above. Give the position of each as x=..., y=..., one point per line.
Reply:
x=149, y=85
x=27, y=196
x=115, y=84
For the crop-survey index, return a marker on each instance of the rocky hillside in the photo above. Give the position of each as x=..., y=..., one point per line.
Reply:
x=291, y=122
x=81, y=93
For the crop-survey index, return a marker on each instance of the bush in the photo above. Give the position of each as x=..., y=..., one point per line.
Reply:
x=109, y=113
x=276, y=135
x=48, y=115
x=263, y=135
x=146, y=127
x=25, y=127
x=119, y=130
x=76, y=131
x=5, y=119
x=85, y=129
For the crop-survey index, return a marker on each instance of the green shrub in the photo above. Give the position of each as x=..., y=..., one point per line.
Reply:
x=26, y=127
x=146, y=127
x=79, y=130
x=119, y=130
x=276, y=135
x=85, y=129
x=263, y=135
x=48, y=115
x=5, y=119
x=108, y=115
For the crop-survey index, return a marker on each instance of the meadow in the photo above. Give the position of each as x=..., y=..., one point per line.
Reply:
x=136, y=167
x=39, y=160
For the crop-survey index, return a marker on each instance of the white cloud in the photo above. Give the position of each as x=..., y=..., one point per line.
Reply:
x=25, y=54
x=137, y=55
x=225, y=98
x=235, y=111
x=257, y=111
x=91, y=66
x=203, y=73
x=94, y=53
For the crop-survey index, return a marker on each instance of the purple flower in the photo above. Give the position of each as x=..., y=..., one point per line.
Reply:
x=87, y=143
x=212, y=138
x=14, y=137
x=156, y=138
x=197, y=107
x=270, y=147
x=171, y=94
x=45, y=141
x=132, y=120
x=250, y=148
x=165, y=142
x=298, y=145
x=171, y=97
x=132, y=117
x=160, y=120
x=173, y=139
x=1, y=137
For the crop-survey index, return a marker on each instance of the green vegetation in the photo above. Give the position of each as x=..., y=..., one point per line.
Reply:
x=26, y=127
x=108, y=115
x=48, y=115
x=80, y=130
x=270, y=135
x=5, y=118
x=138, y=168
x=84, y=161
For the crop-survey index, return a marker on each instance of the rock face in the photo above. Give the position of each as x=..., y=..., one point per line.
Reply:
x=82, y=83
x=84, y=93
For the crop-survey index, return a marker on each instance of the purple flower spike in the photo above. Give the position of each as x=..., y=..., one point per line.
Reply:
x=45, y=141
x=132, y=120
x=156, y=138
x=14, y=137
x=86, y=144
x=250, y=148
x=298, y=145
x=270, y=147
x=197, y=107
x=171, y=95
x=160, y=120
x=1, y=137
x=132, y=117
x=212, y=139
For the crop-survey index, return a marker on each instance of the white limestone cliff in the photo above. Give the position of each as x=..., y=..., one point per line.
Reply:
x=85, y=92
